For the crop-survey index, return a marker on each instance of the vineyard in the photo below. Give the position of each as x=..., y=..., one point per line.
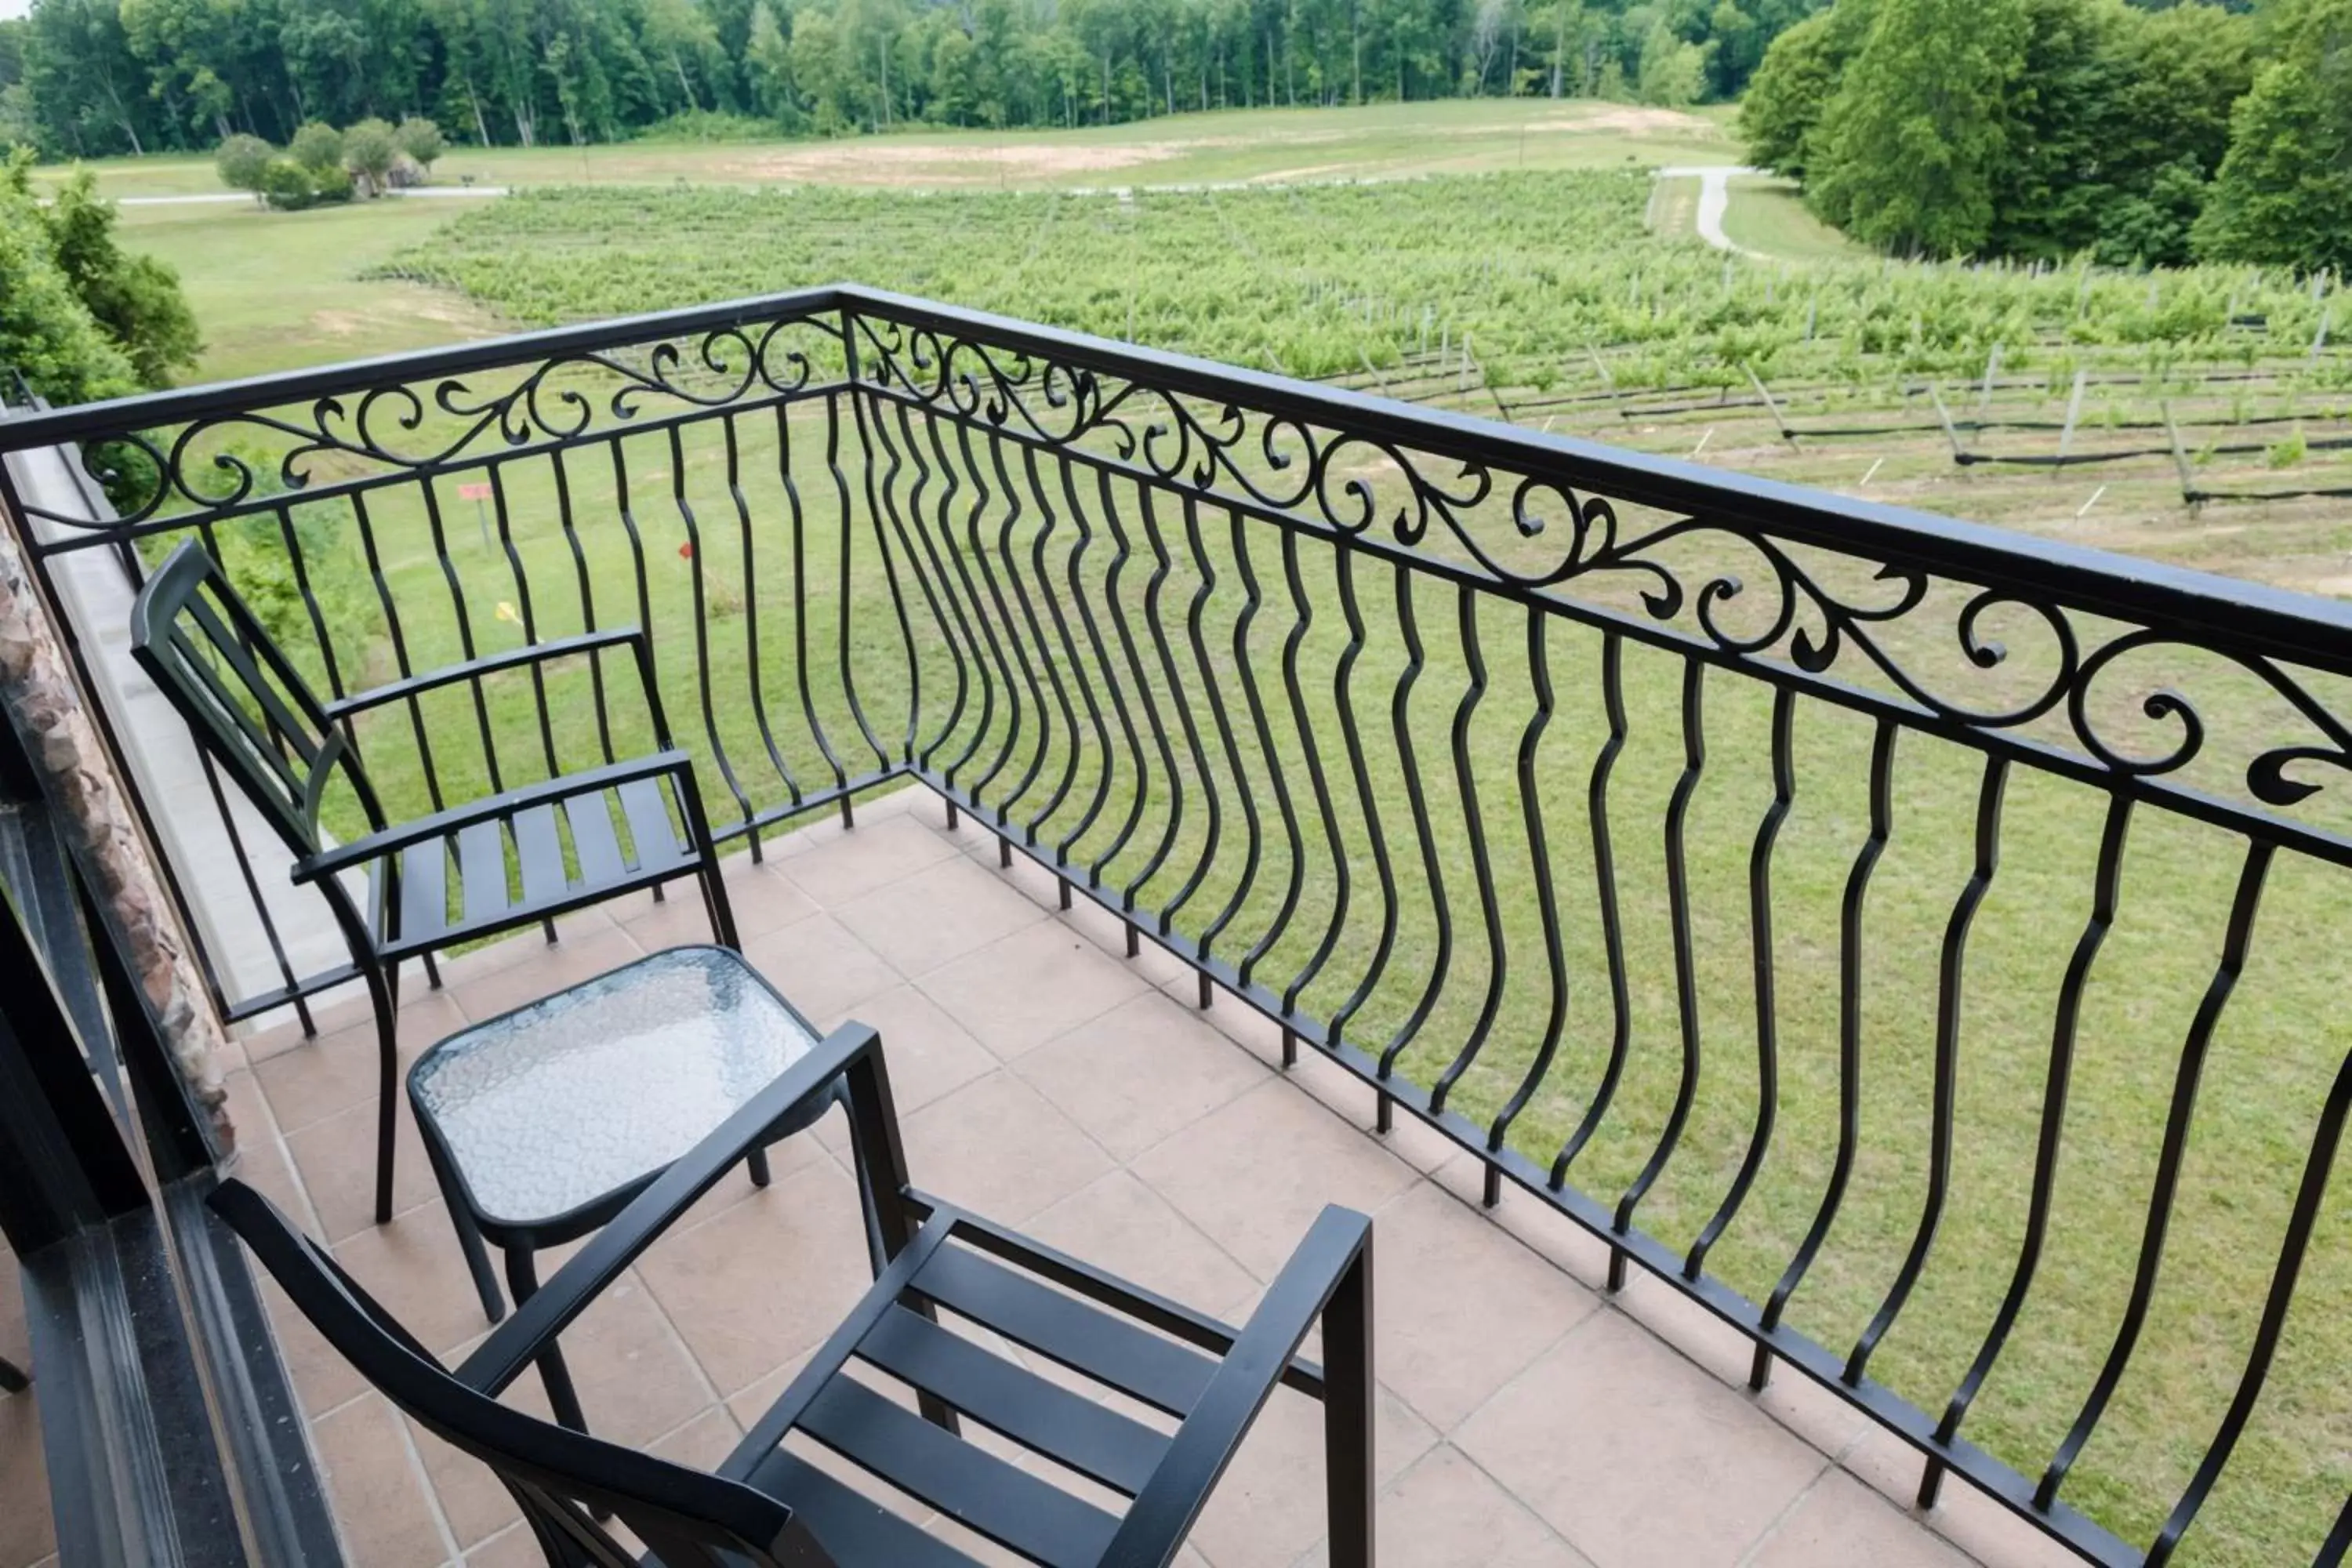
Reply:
x=2119, y=407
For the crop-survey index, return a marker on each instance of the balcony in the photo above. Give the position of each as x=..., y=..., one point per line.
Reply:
x=1834, y=1010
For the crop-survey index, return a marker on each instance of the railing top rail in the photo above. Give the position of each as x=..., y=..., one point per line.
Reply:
x=2224, y=611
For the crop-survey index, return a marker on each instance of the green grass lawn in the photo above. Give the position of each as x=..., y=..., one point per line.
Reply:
x=275, y=290
x=1450, y=136
x=1767, y=215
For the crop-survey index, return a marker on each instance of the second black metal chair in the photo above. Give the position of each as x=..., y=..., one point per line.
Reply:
x=1197, y=1384
x=252, y=712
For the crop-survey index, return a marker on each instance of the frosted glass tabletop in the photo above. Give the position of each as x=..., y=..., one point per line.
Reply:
x=574, y=1096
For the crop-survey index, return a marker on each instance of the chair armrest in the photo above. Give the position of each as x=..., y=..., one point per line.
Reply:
x=489, y=664
x=514, y=1344
x=360, y=851
x=1157, y=1521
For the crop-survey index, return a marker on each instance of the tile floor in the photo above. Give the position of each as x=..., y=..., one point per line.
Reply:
x=1047, y=1081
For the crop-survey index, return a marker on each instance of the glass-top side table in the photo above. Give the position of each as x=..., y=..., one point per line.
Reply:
x=542, y=1123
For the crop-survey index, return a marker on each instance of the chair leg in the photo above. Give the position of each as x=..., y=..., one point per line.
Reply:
x=756, y=1161
x=1347, y=1402
x=715, y=904
x=12, y=1377
x=432, y=971
x=387, y=1110
x=523, y=1280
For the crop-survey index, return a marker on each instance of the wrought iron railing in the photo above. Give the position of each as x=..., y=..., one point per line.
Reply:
x=1848, y=915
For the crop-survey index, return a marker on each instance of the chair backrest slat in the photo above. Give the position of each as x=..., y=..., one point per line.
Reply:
x=560, y=1478
x=244, y=699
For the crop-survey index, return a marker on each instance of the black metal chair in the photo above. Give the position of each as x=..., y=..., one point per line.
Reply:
x=251, y=711
x=770, y=1506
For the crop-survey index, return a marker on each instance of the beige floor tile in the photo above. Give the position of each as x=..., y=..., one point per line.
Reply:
x=936, y=915
x=1016, y=994
x=335, y=1157
x=929, y=1054
x=1139, y=1072
x=514, y=1548
x=636, y=1378
x=26, y=1535
x=474, y=1501
x=862, y=858
x=1459, y=1307
x=1636, y=1456
x=761, y=898
x=554, y=967
x=261, y=1157
x=767, y=1280
x=1983, y=1528
x=337, y=1071
x=997, y=1148
x=1107, y=931
x=378, y=1489
x=323, y=1380
x=1270, y=1507
x=1791, y=1398
x=1122, y=1227
x=1255, y=1174
x=413, y=1267
x=1445, y=1512
x=1842, y=1523
x=703, y=1443
x=820, y=967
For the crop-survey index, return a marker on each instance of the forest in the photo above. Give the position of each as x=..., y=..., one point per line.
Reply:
x=97, y=78
x=2043, y=129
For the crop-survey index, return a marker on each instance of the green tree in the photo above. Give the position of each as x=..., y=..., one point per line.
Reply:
x=422, y=140
x=370, y=150
x=1908, y=151
x=317, y=147
x=46, y=331
x=134, y=298
x=239, y=161
x=1674, y=70
x=2283, y=194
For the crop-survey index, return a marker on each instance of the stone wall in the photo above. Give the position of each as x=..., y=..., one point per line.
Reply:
x=37, y=685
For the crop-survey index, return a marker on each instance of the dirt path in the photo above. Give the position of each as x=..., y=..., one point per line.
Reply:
x=1714, y=201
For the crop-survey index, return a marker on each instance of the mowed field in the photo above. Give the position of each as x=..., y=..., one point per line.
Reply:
x=1572, y=303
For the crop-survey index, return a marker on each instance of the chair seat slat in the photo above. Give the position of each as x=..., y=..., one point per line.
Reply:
x=541, y=850
x=850, y=1526
x=1161, y=1373
x=1072, y=1431
x=973, y=1488
x=482, y=871
x=425, y=889
x=649, y=824
x=593, y=839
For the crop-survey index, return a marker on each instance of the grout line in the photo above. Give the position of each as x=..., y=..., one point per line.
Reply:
x=1780, y=1520
x=678, y=1337
x=425, y=1481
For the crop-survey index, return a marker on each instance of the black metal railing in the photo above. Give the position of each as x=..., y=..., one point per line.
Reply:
x=1917, y=945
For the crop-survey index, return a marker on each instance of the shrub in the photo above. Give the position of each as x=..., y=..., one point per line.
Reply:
x=421, y=139
x=710, y=125
x=370, y=150
x=317, y=147
x=331, y=185
x=287, y=186
x=240, y=160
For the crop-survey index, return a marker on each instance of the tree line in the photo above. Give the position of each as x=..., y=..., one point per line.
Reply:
x=2157, y=135
x=94, y=77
